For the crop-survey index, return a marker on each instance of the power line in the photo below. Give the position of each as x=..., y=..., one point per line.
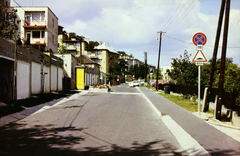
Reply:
x=172, y=16
x=180, y=19
x=191, y=42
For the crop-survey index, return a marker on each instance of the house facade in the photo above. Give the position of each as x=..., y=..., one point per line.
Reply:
x=39, y=27
x=130, y=60
x=105, y=55
x=73, y=44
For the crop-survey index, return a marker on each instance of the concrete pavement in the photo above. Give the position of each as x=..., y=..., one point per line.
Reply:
x=211, y=139
x=205, y=138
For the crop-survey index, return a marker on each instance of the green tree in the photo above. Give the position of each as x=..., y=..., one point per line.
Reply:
x=123, y=53
x=8, y=23
x=92, y=44
x=63, y=50
x=184, y=71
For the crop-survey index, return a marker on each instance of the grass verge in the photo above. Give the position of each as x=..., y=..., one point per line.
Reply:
x=181, y=101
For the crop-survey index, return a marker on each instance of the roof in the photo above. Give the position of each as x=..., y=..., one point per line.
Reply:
x=106, y=46
x=87, y=60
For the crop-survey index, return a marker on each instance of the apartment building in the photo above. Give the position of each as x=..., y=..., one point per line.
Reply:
x=105, y=55
x=130, y=60
x=76, y=45
x=38, y=27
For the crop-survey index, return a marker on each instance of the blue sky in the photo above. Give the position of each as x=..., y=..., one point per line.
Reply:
x=131, y=25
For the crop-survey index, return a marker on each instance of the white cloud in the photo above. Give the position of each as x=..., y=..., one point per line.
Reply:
x=131, y=25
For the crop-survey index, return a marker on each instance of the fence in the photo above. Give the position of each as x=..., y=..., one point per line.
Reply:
x=229, y=99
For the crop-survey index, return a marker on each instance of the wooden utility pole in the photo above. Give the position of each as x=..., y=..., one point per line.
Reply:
x=210, y=81
x=145, y=72
x=223, y=58
x=160, y=39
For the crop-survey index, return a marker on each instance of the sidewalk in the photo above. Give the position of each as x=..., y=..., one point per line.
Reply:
x=210, y=138
x=35, y=109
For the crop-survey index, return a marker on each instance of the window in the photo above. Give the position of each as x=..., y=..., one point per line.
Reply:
x=36, y=34
x=76, y=45
x=52, y=39
x=98, y=53
x=35, y=16
x=89, y=53
x=53, y=22
x=43, y=34
x=42, y=16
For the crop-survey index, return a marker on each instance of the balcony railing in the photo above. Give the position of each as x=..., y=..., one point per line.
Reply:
x=34, y=23
x=37, y=41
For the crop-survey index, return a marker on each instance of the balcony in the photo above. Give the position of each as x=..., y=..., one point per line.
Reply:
x=34, y=24
x=71, y=48
x=37, y=41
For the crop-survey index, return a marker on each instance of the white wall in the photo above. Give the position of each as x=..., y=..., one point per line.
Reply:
x=23, y=78
x=36, y=78
x=60, y=77
x=53, y=78
x=46, y=69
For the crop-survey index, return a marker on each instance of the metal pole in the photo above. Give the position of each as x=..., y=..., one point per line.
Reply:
x=223, y=58
x=199, y=89
x=210, y=81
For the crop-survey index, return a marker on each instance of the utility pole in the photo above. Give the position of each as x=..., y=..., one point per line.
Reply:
x=210, y=81
x=223, y=58
x=160, y=39
x=145, y=72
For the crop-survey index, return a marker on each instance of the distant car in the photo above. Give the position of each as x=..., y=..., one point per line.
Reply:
x=133, y=84
x=130, y=84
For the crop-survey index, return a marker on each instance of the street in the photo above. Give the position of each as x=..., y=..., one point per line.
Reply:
x=122, y=122
x=93, y=124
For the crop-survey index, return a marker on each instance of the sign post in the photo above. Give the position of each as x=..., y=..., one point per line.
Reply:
x=199, y=40
x=151, y=72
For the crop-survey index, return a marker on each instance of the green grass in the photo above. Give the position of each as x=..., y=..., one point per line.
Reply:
x=185, y=103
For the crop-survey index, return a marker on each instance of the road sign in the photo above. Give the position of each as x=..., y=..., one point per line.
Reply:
x=150, y=70
x=199, y=39
x=199, y=57
x=199, y=63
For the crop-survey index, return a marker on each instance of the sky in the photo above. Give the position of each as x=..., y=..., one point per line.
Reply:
x=132, y=25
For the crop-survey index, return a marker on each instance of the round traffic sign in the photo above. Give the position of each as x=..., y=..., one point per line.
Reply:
x=199, y=39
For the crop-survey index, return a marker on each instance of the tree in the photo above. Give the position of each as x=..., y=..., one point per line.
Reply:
x=63, y=50
x=123, y=53
x=184, y=71
x=8, y=23
x=92, y=44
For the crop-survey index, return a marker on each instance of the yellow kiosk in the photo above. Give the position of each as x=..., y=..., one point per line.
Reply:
x=80, y=70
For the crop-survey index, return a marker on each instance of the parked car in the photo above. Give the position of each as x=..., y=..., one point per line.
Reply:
x=151, y=82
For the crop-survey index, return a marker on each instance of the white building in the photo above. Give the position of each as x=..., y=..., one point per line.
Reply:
x=38, y=26
x=164, y=72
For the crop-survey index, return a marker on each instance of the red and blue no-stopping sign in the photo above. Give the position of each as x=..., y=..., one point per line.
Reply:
x=199, y=39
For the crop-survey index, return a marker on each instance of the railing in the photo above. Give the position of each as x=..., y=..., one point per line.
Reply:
x=34, y=23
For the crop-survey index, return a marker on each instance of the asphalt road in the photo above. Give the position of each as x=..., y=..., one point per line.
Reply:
x=120, y=123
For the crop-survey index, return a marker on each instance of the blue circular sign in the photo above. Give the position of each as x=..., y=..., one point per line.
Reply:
x=199, y=39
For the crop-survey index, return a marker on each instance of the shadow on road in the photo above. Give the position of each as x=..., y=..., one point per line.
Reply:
x=20, y=139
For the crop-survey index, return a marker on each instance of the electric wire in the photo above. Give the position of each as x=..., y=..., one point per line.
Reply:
x=184, y=16
x=164, y=27
x=191, y=42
